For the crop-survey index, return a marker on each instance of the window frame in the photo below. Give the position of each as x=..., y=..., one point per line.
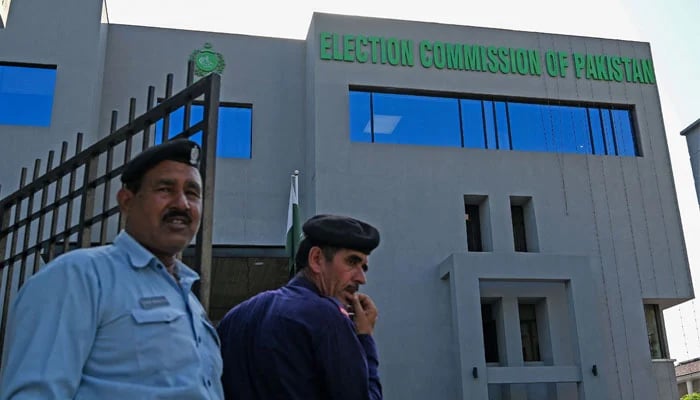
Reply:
x=661, y=330
x=227, y=104
x=533, y=331
x=492, y=120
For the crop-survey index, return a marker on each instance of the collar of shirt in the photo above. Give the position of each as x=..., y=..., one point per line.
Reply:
x=302, y=281
x=140, y=257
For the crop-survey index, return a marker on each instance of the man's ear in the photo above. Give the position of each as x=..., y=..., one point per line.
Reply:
x=315, y=259
x=124, y=197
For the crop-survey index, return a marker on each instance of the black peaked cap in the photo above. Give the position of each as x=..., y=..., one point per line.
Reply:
x=340, y=231
x=180, y=150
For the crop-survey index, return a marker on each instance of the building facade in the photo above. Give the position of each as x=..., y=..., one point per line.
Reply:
x=688, y=376
x=521, y=181
x=692, y=138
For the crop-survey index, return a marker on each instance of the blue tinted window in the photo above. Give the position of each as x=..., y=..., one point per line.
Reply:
x=595, y=123
x=234, y=129
x=570, y=129
x=26, y=95
x=360, y=123
x=608, y=137
x=416, y=120
x=502, y=128
x=473, y=124
x=489, y=124
x=623, y=132
x=530, y=127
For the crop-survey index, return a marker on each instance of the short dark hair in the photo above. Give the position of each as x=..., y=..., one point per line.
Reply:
x=134, y=186
x=301, y=260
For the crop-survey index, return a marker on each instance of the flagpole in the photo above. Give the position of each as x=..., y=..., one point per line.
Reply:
x=293, y=223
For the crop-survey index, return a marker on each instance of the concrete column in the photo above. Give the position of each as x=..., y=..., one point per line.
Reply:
x=689, y=386
x=501, y=223
x=510, y=319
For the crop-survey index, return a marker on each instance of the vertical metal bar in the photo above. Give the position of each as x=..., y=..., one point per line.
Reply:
x=3, y=239
x=187, y=115
x=602, y=130
x=6, y=211
x=371, y=115
x=495, y=124
x=128, y=143
x=8, y=280
x=203, y=247
x=483, y=123
x=510, y=133
x=127, y=150
x=56, y=198
x=461, y=122
x=28, y=225
x=4, y=224
x=190, y=73
x=130, y=117
x=113, y=121
x=614, y=133
x=590, y=129
x=10, y=266
x=42, y=214
x=107, y=189
x=18, y=212
x=71, y=190
x=166, y=118
x=87, y=203
x=149, y=105
x=132, y=111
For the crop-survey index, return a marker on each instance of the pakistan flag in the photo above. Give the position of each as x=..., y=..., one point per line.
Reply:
x=294, y=234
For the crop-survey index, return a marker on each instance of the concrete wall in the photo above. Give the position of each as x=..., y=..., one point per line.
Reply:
x=71, y=35
x=569, y=342
x=251, y=194
x=692, y=137
x=664, y=373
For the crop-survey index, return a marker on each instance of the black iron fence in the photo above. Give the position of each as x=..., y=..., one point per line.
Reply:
x=73, y=204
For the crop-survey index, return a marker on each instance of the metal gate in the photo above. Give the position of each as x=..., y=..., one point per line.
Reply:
x=73, y=204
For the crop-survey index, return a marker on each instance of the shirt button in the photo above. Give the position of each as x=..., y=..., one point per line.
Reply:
x=208, y=382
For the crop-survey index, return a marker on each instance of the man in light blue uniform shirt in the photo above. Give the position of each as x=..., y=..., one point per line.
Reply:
x=120, y=321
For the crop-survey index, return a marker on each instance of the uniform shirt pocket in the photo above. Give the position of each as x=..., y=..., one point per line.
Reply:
x=164, y=339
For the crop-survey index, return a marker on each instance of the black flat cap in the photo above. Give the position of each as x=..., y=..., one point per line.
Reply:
x=180, y=150
x=340, y=231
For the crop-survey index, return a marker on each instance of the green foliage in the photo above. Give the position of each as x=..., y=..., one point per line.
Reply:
x=691, y=396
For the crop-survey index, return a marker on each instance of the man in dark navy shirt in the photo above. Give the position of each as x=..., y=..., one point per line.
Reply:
x=300, y=342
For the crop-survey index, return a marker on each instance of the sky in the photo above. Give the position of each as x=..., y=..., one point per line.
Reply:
x=669, y=26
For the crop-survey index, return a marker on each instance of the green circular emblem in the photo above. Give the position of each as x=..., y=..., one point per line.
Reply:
x=206, y=61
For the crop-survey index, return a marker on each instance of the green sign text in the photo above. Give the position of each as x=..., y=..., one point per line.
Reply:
x=475, y=57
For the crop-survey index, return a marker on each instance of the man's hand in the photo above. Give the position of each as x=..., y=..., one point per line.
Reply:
x=365, y=313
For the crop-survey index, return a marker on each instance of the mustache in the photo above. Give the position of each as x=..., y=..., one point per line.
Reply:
x=177, y=214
